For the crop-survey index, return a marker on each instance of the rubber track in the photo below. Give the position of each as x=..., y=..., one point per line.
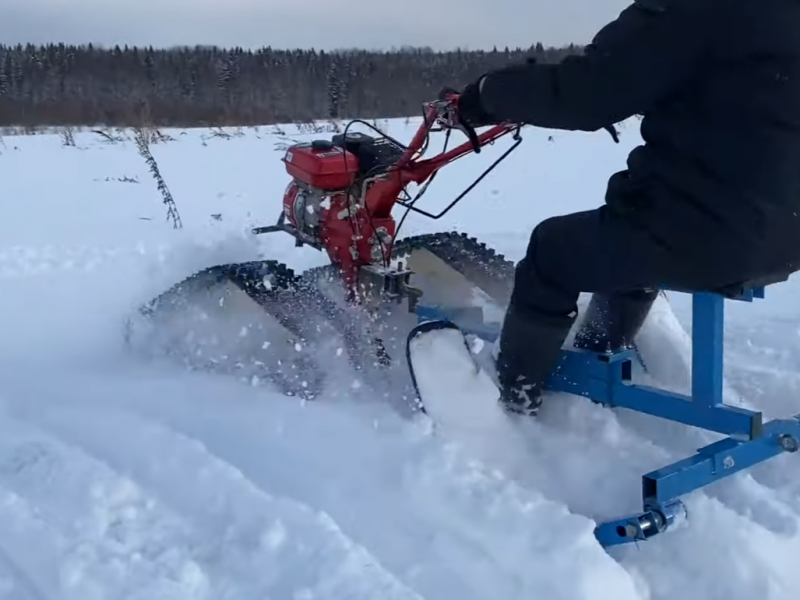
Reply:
x=248, y=276
x=479, y=264
x=288, y=311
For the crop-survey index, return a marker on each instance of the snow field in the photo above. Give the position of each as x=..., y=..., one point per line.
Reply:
x=122, y=480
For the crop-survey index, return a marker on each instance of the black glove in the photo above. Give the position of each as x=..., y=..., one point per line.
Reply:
x=470, y=109
x=470, y=112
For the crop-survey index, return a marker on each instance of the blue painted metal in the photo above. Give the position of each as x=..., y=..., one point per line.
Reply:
x=707, y=331
x=607, y=379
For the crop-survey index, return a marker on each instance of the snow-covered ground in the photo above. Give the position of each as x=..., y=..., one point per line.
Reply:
x=123, y=479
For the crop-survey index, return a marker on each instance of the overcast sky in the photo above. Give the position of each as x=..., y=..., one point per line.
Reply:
x=323, y=24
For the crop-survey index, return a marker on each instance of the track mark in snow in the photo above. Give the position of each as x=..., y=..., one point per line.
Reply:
x=76, y=529
x=427, y=514
x=14, y=583
x=511, y=525
x=22, y=534
x=440, y=525
x=257, y=545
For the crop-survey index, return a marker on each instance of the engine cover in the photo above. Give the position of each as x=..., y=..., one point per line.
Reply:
x=322, y=165
x=304, y=207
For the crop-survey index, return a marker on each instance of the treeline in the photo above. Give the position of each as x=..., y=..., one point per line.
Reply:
x=66, y=85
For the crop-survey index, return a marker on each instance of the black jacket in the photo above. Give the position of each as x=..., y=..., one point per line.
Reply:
x=718, y=85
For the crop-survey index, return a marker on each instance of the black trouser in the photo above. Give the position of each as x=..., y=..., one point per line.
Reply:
x=592, y=251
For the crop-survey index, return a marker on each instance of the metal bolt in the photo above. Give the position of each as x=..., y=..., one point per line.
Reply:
x=789, y=443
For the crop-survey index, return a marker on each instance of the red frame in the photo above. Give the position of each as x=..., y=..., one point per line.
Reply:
x=383, y=196
x=350, y=240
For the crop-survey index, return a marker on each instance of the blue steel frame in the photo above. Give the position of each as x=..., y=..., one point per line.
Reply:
x=606, y=379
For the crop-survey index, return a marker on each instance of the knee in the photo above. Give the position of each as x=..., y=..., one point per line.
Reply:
x=538, y=276
x=547, y=233
x=542, y=248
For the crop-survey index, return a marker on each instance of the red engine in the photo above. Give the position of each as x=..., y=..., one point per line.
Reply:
x=320, y=171
x=324, y=206
x=322, y=165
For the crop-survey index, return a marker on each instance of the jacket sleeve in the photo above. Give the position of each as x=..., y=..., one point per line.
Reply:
x=631, y=64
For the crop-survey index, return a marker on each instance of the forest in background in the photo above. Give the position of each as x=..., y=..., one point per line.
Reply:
x=64, y=85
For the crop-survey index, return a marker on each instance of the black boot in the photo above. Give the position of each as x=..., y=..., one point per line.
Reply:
x=529, y=350
x=612, y=321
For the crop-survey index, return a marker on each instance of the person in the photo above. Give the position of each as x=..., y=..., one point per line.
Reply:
x=710, y=199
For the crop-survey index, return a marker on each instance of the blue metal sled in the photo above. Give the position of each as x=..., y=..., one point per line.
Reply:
x=606, y=379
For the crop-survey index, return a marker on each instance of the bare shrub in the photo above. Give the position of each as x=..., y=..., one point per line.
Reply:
x=142, y=138
x=67, y=137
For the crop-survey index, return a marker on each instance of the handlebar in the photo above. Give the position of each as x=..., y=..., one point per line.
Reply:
x=448, y=117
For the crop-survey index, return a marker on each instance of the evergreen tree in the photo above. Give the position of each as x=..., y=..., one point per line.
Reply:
x=59, y=84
